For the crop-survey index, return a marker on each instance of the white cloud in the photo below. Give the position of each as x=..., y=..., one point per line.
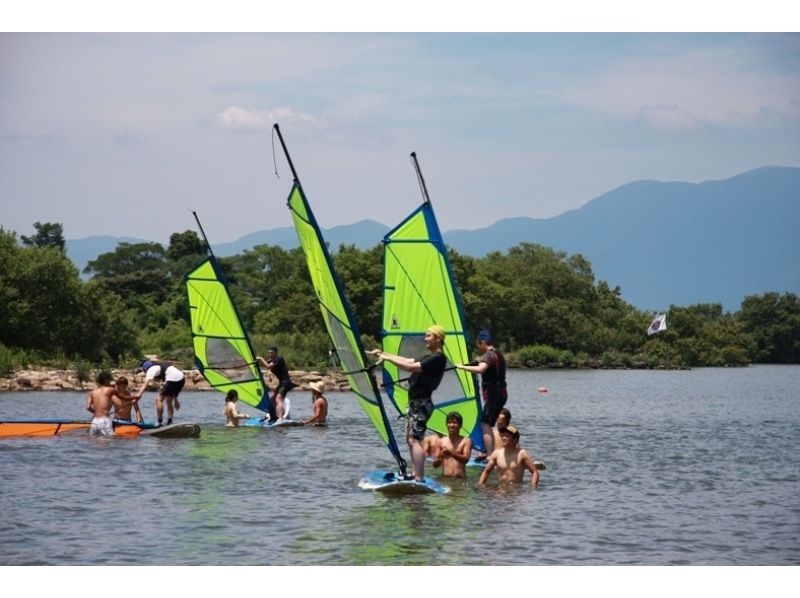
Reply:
x=236, y=118
x=668, y=117
x=684, y=89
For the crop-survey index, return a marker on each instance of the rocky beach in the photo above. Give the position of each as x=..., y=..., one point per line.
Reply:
x=54, y=380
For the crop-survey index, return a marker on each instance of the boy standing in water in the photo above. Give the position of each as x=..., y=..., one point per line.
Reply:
x=510, y=460
x=99, y=403
x=426, y=374
x=123, y=401
x=454, y=449
x=502, y=421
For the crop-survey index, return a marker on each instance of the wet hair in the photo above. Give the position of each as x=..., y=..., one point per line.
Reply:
x=456, y=417
x=104, y=378
x=231, y=396
x=122, y=380
x=273, y=348
x=507, y=413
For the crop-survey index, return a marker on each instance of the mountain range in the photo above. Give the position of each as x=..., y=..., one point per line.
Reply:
x=662, y=243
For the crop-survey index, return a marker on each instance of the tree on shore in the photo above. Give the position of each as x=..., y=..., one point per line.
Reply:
x=544, y=306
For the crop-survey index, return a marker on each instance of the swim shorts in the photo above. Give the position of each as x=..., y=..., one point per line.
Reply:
x=101, y=426
x=417, y=416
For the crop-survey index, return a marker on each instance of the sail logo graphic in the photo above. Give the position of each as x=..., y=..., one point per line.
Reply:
x=395, y=323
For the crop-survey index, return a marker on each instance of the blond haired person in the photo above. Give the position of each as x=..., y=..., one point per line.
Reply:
x=426, y=375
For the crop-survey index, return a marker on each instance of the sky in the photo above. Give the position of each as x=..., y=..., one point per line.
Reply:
x=125, y=134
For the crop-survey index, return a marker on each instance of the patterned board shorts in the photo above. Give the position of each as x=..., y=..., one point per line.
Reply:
x=417, y=416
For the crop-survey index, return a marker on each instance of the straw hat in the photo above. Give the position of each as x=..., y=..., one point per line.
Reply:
x=318, y=386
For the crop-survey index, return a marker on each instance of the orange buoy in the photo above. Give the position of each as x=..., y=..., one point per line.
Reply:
x=543, y=389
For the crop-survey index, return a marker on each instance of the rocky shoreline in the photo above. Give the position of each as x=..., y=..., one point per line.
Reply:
x=69, y=380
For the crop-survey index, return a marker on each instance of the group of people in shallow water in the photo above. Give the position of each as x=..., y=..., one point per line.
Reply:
x=112, y=397
x=319, y=404
x=452, y=452
x=112, y=401
x=280, y=408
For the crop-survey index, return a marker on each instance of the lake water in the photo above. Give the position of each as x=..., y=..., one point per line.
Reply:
x=696, y=467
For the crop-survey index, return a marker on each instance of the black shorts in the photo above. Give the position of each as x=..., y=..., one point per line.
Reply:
x=173, y=388
x=494, y=399
x=284, y=387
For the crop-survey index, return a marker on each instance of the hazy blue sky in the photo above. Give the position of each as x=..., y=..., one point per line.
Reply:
x=126, y=134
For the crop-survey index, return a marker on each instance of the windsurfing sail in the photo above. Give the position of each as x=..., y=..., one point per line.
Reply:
x=659, y=324
x=222, y=350
x=337, y=315
x=419, y=291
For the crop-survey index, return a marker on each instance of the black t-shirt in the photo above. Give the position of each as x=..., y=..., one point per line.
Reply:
x=423, y=383
x=495, y=374
x=279, y=369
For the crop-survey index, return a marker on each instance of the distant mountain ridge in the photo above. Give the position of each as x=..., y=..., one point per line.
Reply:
x=674, y=243
x=663, y=243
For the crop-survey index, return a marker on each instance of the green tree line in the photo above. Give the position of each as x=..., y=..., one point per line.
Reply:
x=545, y=308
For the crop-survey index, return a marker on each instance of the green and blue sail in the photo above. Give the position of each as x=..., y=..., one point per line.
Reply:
x=222, y=349
x=419, y=291
x=338, y=317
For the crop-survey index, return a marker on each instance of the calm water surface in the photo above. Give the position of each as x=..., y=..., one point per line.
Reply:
x=655, y=468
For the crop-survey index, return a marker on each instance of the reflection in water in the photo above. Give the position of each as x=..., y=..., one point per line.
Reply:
x=403, y=530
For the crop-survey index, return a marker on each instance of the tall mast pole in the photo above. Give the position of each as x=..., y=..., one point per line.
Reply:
x=202, y=232
x=286, y=151
x=422, y=185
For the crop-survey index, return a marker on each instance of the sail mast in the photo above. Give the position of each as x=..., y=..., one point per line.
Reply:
x=337, y=314
x=286, y=151
x=420, y=178
x=202, y=232
x=419, y=290
x=223, y=350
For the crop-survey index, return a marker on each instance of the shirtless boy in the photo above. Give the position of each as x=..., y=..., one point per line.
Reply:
x=454, y=449
x=510, y=460
x=123, y=401
x=99, y=403
x=502, y=421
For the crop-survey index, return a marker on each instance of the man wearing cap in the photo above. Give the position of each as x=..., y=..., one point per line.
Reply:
x=173, y=380
x=319, y=404
x=426, y=374
x=510, y=460
x=492, y=368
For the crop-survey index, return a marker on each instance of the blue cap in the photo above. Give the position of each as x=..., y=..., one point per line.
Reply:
x=484, y=335
x=146, y=364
